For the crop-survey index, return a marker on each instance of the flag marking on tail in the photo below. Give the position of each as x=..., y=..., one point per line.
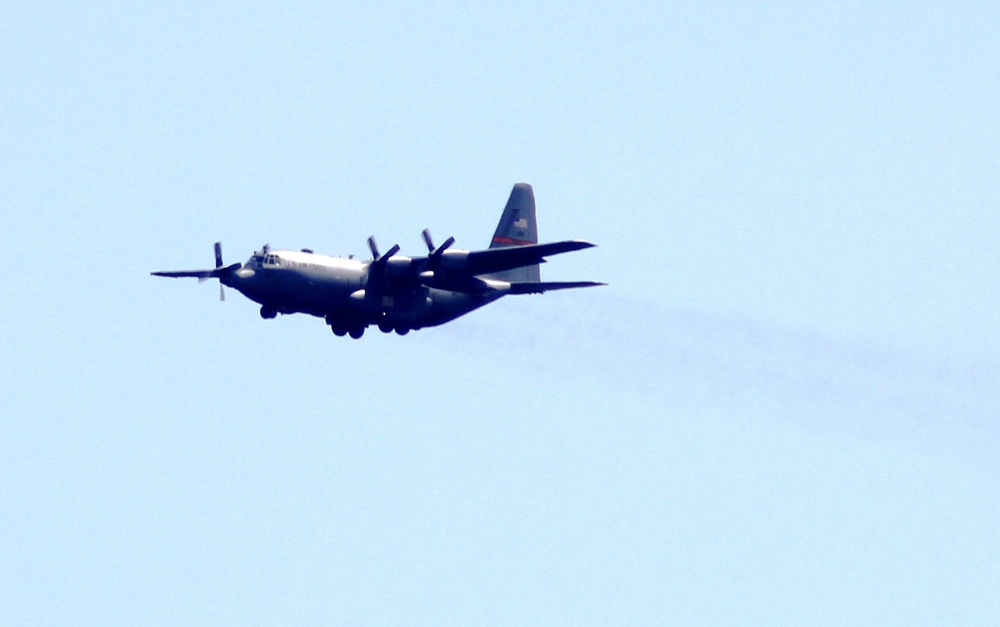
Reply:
x=510, y=241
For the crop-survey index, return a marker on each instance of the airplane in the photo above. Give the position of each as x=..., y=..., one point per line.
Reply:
x=394, y=292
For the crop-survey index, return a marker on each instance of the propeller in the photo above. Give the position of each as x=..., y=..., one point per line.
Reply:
x=443, y=247
x=218, y=264
x=376, y=257
x=435, y=253
x=219, y=271
x=377, y=269
x=437, y=276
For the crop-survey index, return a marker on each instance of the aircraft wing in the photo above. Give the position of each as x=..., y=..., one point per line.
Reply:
x=201, y=274
x=460, y=270
x=500, y=259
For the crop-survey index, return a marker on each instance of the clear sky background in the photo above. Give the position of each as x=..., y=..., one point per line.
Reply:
x=782, y=411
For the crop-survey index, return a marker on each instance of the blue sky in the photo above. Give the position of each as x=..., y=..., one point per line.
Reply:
x=783, y=410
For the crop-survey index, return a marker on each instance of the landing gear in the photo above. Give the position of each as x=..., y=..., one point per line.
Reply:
x=355, y=332
x=267, y=313
x=385, y=327
x=342, y=327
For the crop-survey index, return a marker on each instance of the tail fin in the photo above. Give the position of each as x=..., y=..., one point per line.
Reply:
x=518, y=227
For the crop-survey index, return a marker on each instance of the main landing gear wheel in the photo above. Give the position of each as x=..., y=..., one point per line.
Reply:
x=267, y=313
x=357, y=332
x=385, y=327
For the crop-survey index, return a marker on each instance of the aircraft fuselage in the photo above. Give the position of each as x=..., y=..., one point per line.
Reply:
x=334, y=288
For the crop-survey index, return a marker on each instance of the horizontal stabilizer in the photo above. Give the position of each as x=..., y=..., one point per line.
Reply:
x=539, y=287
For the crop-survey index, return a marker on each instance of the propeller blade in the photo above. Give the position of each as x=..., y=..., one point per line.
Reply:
x=447, y=244
x=218, y=254
x=392, y=251
x=372, y=246
x=427, y=240
x=222, y=292
x=438, y=252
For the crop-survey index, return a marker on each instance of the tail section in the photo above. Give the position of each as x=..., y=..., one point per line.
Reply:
x=518, y=227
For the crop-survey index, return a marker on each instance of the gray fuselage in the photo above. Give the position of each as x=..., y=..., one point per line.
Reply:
x=335, y=288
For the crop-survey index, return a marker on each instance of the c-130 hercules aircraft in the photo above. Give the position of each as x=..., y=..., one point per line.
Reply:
x=394, y=292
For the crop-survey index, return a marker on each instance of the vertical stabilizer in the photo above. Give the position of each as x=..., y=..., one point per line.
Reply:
x=518, y=227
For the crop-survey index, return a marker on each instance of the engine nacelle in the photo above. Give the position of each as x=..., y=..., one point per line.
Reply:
x=454, y=259
x=398, y=268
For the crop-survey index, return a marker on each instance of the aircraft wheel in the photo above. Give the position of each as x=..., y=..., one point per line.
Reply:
x=385, y=327
x=338, y=331
x=267, y=313
x=402, y=330
x=357, y=332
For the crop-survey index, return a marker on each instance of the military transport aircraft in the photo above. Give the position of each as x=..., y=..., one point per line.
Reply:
x=394, y=292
